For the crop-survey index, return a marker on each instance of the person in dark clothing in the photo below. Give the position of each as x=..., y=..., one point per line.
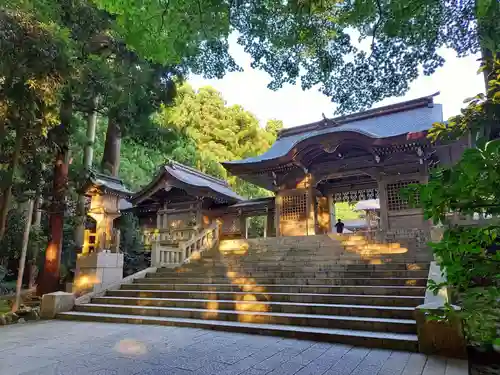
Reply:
x=340, y=226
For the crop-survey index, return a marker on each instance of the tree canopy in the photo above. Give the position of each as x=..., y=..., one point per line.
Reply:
x=358, y=52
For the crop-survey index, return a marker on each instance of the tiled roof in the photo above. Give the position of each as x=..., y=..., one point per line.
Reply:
x=408, y=117
x=191, y=176
x=108, y=183
x=184, y=177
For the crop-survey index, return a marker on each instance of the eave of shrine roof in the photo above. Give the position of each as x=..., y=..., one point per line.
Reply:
x=254, y=202
x=383, y=125
x=196, y=178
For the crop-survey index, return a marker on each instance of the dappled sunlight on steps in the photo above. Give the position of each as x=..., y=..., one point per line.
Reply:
x=317, y=287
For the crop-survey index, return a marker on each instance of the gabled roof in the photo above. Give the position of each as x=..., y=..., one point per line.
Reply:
x=99, y=183
x=387, y=122
x=178, y=175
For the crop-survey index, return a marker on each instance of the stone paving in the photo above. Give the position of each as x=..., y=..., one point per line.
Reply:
x=79, y=348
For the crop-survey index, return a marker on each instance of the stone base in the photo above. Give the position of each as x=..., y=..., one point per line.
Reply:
x=96, y=270
x=55, y=303
x=444, y=338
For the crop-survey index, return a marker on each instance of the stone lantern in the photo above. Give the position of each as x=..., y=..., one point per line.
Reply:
x=101, y=263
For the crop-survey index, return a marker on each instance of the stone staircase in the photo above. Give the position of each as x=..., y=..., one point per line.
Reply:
x=339, y=289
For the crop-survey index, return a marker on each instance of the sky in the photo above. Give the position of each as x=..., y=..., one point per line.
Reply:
x=455, y=81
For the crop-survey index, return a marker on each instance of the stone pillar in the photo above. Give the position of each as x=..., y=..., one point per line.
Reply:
x=265, y=226
x=382, y=196
x=244, y=226
x=158, y=219
x=443, y=338
x=95, y=271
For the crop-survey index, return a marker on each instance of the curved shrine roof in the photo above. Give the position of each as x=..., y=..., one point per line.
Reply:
x=380, y=123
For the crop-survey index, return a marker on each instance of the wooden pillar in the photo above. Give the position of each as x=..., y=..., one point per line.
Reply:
x=382, y=196
x=331, y=207
x=277, y=215
x=164, y=217
x=311, y=202
x=199, y=217
x=270, y=225
x=244, y=226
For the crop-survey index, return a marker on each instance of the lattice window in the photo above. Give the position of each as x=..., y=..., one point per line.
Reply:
x=293, y=207
x=230, y=225
x=356, y=195
x=394, y=200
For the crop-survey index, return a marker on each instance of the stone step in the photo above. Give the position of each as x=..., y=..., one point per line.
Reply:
x=284, y=262
x=394, y=341
x=251, y=304
x=350, y=289
x=346, y=258
x=319, y=298
x=286, y=281
x=310, y=320
x=300, y=266
x=292, y=274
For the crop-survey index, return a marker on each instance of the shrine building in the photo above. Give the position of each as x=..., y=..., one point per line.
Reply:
x=363, y=156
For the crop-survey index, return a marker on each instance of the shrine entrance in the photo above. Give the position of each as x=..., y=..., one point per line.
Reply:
x=350, y=206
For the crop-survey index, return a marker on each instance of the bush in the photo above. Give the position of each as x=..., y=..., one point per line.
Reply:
x=136, y=258
x=469, y=255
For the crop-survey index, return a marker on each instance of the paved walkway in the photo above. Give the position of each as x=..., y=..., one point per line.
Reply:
x=79, y=348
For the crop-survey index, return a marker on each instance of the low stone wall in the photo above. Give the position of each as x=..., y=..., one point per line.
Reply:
x=416, y=240
x=281, y=243
x=104, y=288
x=435, y=336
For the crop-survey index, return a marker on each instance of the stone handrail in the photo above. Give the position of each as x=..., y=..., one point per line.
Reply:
x=206, y=240
x=181, y=234
x=177, y=253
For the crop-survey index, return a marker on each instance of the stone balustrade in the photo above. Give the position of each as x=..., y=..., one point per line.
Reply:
x=170, y=250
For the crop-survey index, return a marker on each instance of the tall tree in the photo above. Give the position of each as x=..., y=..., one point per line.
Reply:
x=213, y=132
x=32, y=61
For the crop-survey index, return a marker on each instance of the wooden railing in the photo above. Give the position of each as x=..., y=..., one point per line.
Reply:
x=166, y=252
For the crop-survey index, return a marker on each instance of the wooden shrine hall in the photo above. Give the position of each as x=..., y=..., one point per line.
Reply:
x=367, y=155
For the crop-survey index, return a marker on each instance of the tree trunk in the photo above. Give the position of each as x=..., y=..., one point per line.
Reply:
x=88, y=156
x=52, y=265
x=22, y=259
x=111, y=157
x=7, y=191
x=37, y=214
x=50, y=276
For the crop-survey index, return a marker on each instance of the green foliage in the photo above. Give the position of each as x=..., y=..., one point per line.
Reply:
x=357, y=52
x=470, y=256
x=481, y=117
x=131, y=245
x=468, y=187
x=211, y=132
